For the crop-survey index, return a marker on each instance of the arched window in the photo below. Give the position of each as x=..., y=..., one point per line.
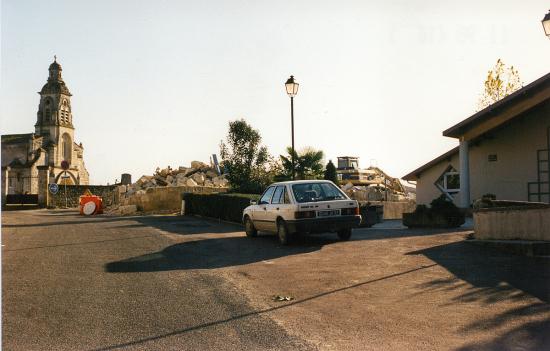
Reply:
x=67, y=147
x=48, y=114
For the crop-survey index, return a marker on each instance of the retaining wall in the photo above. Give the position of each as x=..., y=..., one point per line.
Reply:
x=107, y=192
x=394, y=209
x=165, y=198
x=514, y=223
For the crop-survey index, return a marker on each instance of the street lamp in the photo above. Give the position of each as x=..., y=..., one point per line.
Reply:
x=292, y=89
x=546, y=24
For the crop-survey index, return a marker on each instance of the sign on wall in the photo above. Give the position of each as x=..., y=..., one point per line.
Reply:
x=54, y=188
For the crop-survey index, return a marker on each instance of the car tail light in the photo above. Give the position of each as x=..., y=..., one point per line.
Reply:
x=350, y=211
x=304, y=214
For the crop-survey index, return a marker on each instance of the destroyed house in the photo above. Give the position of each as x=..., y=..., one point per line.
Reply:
x=503, y=150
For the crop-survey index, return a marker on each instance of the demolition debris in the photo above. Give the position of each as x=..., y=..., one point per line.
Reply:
x=199, y=174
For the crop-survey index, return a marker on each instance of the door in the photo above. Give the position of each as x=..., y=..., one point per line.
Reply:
x=274, y=209
x=260, y=216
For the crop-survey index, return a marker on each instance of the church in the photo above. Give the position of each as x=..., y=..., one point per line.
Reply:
x=33, y=160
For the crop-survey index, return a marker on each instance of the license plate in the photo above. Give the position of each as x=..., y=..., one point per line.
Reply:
x=328, y=213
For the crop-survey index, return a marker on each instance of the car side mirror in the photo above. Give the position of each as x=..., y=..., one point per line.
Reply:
x=253, y=202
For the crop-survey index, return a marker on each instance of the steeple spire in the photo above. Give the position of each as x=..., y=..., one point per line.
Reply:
x=55, y=70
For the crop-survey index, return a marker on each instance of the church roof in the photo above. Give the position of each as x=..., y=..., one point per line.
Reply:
x=16, y=138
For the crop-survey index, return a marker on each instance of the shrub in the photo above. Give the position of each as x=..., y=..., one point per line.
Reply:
x=444, y=207
x=442, y=213
x=228, y=207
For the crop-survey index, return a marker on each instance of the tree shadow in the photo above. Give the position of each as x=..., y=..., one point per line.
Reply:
x=494, y=276
x=216, y=253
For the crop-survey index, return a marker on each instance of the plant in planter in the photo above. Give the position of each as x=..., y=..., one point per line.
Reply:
x=486, y=201
x=442, y=213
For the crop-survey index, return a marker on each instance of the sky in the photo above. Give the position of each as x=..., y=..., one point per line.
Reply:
x=155, y=83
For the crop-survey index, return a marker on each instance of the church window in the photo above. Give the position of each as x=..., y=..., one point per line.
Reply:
x=66, y=147
x=48, y=114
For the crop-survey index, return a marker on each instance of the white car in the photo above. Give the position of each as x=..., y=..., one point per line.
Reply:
x=303, y=206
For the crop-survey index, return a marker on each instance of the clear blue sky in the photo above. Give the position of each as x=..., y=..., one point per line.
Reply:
x=155, y=83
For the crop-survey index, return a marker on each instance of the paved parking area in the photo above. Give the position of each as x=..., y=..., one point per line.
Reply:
x=172, y=282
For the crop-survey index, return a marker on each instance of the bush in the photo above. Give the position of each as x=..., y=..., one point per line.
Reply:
x=228, y=207
x=442, y=213
x=444, y=207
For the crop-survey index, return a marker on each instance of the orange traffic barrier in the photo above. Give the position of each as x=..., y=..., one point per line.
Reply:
x=91, y=205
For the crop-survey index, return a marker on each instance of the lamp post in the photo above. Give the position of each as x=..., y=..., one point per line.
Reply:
x=292, y=89
x=546, y=24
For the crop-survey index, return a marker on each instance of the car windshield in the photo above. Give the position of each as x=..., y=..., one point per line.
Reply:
x=312, y=192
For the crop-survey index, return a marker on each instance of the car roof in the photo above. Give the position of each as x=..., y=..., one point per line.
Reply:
x=292, y=182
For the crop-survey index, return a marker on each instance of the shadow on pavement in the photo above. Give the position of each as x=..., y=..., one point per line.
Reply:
x=395, y=233
x=260, y=312
x=495, y=277
x=215, y=253
x=495, y=274
x=184, y=225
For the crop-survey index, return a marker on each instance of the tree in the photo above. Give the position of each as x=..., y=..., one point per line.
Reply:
x=244, y=160
x=308, y=164
x=501, y=81
x=330, y=172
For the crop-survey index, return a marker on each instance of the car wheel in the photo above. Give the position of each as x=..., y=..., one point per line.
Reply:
x=249, y=228
x=282, y=232
x=344, y=234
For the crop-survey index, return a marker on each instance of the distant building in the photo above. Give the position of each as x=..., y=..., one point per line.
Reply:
x=503, y=150
x=52, y=142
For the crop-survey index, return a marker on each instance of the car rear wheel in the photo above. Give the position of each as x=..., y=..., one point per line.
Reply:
x=282, y=232
x=344, y=234
x=249, y=228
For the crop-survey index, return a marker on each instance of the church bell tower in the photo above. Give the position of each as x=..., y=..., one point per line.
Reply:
x=54, y=120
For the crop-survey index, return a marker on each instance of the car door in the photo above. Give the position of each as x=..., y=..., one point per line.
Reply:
x=260, y=216
x=274, y=209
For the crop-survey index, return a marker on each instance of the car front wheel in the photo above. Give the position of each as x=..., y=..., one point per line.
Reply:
x=282, y=232
x=344, y=234
x=249, y=228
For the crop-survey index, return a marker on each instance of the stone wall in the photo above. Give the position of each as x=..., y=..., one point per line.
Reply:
x=394, y=209
x=107, y=192
x=514, y=223
x=164, y=199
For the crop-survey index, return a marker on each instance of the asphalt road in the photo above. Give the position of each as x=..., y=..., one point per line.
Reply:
x=182, y=283
x=58, y=292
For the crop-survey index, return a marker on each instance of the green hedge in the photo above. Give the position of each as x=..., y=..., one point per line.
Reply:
x=228, y=207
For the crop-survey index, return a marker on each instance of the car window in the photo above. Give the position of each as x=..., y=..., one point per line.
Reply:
x=266, y=197
x=278, y=195
x=311, y=192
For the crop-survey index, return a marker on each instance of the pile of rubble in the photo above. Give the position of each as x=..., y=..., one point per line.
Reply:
x=199, y=174
x=374, y=192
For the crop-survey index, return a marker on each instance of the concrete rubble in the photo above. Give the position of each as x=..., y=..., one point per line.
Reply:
x=199, y=175
x=376, y=185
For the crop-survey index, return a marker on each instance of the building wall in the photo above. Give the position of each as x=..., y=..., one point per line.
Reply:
x=11, y=152
x=516, y=148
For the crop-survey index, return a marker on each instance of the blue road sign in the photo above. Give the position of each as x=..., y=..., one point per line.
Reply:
x=54, y=188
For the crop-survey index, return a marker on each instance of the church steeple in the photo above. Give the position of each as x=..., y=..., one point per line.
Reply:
x=54, y=110
x=55, y=70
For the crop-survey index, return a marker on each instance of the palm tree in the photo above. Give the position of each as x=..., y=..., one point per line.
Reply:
x=308, y=164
